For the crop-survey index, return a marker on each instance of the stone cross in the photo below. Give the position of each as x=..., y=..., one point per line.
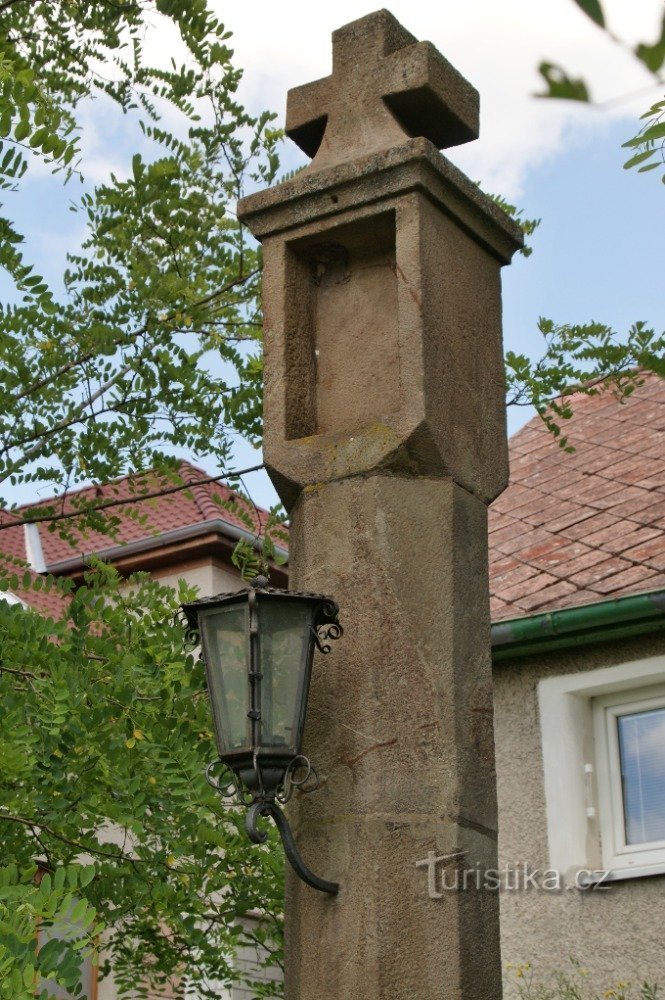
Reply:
x=385, y=438
x=385, y=86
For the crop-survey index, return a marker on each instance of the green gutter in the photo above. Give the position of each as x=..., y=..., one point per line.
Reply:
x=640, y=614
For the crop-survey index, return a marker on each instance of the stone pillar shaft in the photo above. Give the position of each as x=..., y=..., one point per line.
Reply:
x=400, y=728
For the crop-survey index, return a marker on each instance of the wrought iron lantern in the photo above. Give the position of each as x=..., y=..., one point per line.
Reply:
x=257, y=646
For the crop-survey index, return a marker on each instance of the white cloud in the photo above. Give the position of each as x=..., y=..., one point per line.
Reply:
x=497, y=46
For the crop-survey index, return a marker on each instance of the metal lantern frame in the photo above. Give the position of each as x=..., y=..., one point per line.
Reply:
x=261, y=773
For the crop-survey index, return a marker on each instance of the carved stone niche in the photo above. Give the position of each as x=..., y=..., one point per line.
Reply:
x=343, y=356
x=383, y=348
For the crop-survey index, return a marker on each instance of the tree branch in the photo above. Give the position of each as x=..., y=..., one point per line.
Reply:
x=75, y=362
x=17, y=673
x=64, y=423
x=33, y=824
x=136, y=498
x=10, y=3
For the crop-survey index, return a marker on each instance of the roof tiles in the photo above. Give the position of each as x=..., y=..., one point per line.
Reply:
x=577, y=528
x=184, y=508
x=201, y=503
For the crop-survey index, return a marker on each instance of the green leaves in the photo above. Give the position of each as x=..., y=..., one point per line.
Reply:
x=171, y=872
x=528, y=226
x=143, y=356
x=31, y=903
x=649, y=142
x=106, y=725
x=653, y=56
x=587, y=359
x=560, y=85
x=592, y=9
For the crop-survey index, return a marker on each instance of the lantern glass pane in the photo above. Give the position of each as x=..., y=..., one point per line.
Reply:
x=225, y=635
x=285, y=637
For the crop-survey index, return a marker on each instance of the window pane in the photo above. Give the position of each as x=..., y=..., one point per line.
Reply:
x=642, y=751
x=225, y=635
x=65, y=932
x=284, y=632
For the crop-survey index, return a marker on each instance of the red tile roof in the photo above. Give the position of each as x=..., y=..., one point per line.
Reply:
x=164, y=513
x=49, y=603
x=579, y=528
x=184, y=508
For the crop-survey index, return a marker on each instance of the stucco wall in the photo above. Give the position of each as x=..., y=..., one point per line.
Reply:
x=617, y=933
x=209, y=576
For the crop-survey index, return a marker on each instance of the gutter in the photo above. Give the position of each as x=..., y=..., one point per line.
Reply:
x=157, y=541
x=639, y=614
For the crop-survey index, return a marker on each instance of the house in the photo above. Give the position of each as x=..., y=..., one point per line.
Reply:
x=188, y=533
x=177, y=534
x=577, y=553
x=577, y=561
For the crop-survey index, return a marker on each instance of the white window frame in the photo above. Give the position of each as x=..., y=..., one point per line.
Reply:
x=616, y=852
x=576, y=794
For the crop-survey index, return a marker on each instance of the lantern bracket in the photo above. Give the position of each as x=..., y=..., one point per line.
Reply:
x=265, y=808
x=265, y=803
x=327, y=630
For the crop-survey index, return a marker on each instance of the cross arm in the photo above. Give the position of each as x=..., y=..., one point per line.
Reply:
x=307, y=114
x=429, y=97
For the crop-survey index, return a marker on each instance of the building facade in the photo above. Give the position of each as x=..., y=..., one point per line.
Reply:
x=577, y=555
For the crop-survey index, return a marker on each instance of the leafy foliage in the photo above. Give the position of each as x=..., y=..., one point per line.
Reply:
x=126, y=364
x=528, y=226
x=592, y=357
x=563, y=86
x=575, y=984
x=28, y=901
x=592, y=9
x=110, y=736
x=105, y=721
x=589, y=359
x=648, y=146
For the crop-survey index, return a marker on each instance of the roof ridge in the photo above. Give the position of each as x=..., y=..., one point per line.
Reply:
x=194, y=490
x=204, y=499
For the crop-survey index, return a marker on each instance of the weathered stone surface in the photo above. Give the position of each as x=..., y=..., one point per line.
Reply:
x=385, y=437
x=400, y=730
x=413, y=165
x=383, y=323
x=385, y=86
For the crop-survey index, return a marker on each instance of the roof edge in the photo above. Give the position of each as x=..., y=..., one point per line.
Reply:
x=584, y=625
x=183, y=533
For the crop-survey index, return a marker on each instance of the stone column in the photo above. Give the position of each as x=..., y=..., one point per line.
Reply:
x=385, y=437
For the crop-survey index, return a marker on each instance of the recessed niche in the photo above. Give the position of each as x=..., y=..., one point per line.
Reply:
x=342, y=347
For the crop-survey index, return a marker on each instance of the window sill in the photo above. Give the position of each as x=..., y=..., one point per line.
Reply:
x=600, y=878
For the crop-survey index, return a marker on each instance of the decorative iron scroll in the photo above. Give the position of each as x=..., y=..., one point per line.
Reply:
x=229, y=786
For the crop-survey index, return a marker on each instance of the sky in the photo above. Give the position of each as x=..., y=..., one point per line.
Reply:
x=598, y=251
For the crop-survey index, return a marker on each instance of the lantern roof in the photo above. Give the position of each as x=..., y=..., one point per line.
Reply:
x=328, y=613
